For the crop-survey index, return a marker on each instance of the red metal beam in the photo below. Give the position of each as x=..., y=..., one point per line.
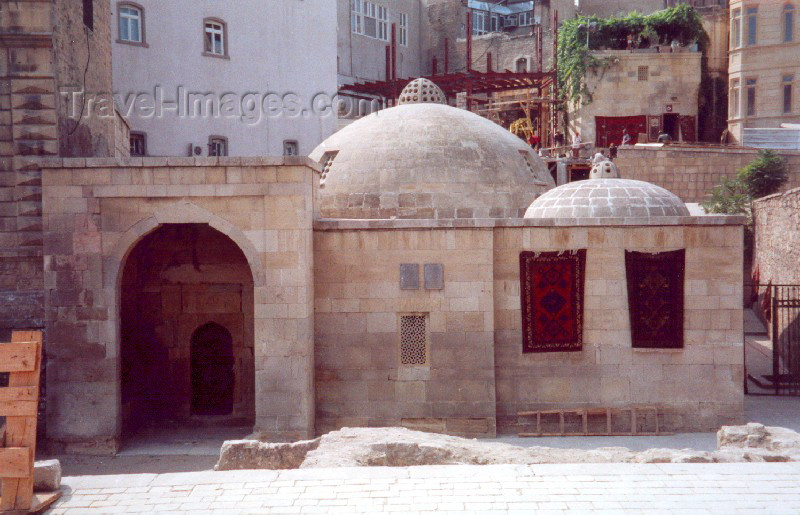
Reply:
x=469, y=39
x=388, y=63
x=446, y=56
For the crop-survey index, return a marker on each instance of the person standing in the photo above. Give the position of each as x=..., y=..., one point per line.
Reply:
x=626, y=137
x=577, y=143
x=612, y=152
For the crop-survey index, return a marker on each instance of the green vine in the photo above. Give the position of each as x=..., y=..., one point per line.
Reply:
x=681, y=23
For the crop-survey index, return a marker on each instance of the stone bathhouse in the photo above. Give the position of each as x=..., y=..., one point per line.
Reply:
x=377, y=283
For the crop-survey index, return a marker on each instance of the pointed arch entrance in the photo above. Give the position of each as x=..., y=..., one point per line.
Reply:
x=186, y=328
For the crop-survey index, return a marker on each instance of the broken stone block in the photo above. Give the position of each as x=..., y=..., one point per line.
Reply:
x=46, y=476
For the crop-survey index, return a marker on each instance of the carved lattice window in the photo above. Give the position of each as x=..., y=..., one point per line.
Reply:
x=413, y=340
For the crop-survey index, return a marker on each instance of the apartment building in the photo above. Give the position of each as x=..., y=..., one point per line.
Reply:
x=764, y=67
x=206, y=78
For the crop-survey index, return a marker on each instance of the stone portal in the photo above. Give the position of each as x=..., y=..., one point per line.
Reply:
x=186, y=328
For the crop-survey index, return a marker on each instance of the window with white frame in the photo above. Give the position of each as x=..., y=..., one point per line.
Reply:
x=788, y=23
x=494, y=24
x=525, y=19
x=356, y=16
x=750, y=102
x=370, y=20
x=480, y=23
x=734, y=99
x=736, y=28
x=131, y=21
x=403, y=29
x=787, y=93
x=215, y=38
x=752, y=25
x=383, y=23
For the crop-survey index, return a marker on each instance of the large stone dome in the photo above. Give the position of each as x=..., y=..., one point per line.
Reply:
x=427, y=160
x=607, y=198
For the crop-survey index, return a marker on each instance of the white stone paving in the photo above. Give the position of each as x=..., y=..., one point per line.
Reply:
x=601, y=488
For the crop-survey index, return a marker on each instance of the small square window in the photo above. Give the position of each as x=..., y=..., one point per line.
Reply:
x=138, y=142
x=291, y=148
x=217, y=146
x=414, y=340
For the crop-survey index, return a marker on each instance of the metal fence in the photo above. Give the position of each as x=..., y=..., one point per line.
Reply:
x=779, y=306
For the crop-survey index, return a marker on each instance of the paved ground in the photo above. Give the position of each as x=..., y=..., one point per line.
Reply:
x=664, y=488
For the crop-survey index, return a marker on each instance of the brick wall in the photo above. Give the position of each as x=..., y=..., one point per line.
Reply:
x=776, y=252
x=691, y=173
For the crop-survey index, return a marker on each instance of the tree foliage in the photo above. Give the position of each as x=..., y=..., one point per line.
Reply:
x=681, y=23
x=764, y=176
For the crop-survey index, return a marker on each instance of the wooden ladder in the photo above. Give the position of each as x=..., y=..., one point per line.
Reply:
x=19, y=402
x=585, y=413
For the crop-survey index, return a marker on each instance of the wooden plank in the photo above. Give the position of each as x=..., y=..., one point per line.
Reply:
x=18, y=357
x=21, y=431
x=16, y=462
x=43, y=500
x=19, y=401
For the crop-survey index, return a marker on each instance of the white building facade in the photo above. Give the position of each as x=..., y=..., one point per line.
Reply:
x=250, y=78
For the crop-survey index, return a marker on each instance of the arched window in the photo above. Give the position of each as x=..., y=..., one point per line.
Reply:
x=788, y=23
x=131, y=23
x=522, y=65
x=216, y=37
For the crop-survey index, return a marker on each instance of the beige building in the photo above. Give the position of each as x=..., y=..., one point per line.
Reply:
x=644, y=92
x=764, y=65
x=391, y=280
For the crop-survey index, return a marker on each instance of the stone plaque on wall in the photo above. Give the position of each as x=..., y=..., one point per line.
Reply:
x=409, y=276
x=434, y=276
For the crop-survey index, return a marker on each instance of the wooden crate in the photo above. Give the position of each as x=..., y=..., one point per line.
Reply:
x=18, y=403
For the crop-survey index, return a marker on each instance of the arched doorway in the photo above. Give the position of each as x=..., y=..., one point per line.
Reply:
x=212, y=370
x=186, y=327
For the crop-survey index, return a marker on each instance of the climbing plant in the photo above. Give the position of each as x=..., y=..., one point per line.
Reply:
x=681, y=23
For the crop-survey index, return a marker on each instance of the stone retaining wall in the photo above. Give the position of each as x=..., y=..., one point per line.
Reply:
x=692, y=172
x=776, y=252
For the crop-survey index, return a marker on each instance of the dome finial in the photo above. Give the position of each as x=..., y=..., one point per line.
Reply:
x=604, y=170
x=422, y=91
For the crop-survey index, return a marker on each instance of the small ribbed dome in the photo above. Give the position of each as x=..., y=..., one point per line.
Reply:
x=607, y=198
x=422, y=91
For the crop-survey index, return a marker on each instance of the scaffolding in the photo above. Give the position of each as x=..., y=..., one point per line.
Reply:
x=504, y=96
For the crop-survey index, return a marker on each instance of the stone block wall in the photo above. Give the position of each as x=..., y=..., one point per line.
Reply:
x=776, y=253
x=358, y=302
x=45, y=49
x=701, y=384
x=692, y=172
x=96, y=210
x=673, y=78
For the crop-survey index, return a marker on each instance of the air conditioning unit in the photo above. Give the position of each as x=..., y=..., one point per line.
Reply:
x=195, y=150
